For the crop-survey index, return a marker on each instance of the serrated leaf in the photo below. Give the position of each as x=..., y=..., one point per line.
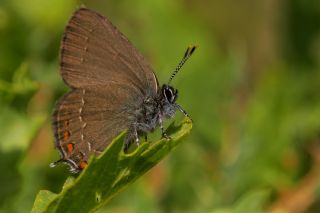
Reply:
x=112, y=172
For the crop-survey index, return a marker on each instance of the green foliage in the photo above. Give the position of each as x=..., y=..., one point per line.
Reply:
x=108, y=174
x=251, y=202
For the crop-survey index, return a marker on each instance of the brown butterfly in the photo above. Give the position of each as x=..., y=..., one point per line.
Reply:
x=113, y=88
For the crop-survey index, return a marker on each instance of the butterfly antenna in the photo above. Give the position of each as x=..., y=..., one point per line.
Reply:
x=186, y=56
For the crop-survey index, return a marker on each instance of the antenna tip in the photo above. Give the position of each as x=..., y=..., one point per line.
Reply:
x=190, y=50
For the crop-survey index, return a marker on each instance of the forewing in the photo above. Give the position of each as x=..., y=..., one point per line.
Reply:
x=86, y=121
x=94, y=53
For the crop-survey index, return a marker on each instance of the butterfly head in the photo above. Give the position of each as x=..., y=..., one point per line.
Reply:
x=169, y=93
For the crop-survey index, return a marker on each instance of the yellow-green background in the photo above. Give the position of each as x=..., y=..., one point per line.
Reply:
x=252, y=88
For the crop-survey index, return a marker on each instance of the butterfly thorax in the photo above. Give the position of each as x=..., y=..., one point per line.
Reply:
x=146, y=116
x=154, y=109
x=150, y=113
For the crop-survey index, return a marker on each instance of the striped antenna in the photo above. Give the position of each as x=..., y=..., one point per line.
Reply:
x=186, y=56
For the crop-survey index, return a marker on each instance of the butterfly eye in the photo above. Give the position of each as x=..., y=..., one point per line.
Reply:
x=168, y=93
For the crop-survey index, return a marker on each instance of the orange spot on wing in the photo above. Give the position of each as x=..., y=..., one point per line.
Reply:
x=83, y=164
x=70, y=148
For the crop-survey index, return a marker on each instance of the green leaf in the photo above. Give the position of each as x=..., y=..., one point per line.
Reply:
x=43, y=198
x=110, y=173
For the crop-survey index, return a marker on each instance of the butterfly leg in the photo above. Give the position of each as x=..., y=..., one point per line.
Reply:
x=127, y=143
x=132, y=134
x=137, y=138
x=164, y=134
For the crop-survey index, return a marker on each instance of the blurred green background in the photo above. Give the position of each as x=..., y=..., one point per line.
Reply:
x=252, y=88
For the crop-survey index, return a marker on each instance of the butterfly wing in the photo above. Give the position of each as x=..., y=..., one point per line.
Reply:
x=107, y=75
x=94, y=53
x=85, y=122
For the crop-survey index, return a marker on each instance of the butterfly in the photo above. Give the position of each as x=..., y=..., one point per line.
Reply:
x=113, y=88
